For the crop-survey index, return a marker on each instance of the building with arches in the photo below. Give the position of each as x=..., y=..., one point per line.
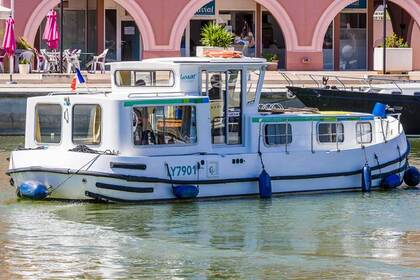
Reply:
x=305, y=34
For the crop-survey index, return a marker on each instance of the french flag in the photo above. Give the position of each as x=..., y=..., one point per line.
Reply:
x=77, y=79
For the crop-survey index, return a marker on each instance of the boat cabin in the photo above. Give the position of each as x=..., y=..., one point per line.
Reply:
x=175, y=106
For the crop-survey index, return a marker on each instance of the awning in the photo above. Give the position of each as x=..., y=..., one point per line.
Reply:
x=5, y=12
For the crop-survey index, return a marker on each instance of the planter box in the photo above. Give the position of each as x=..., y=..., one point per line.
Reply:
x=201, y=49
x=273, y=66
x=24, y=68
x=397, y=59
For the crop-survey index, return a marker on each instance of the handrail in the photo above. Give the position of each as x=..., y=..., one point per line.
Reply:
x=364, y=81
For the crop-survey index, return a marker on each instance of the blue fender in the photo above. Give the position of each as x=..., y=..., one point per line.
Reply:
x=185, y=191
x=32, y=190
x=366, y=178
x=412, y=176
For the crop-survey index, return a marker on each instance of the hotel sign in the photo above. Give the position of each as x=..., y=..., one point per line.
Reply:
x=360, y=4
x=207, y=10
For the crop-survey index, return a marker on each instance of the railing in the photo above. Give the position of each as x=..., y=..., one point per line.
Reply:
x=334, y=81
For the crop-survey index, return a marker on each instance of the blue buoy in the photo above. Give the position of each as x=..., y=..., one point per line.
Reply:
x=264, y=182
x=412, y=176
x=366, y=178
x=379, y=110
x=32, y=190
x=185, y=191
x=391, y=181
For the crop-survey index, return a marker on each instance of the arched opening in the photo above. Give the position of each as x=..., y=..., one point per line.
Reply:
x=256, y=27
x=356, y=28
x=121, y=31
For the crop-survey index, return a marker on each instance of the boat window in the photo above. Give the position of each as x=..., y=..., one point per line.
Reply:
x=364, y=132
x=330, y=132
x=144, y=78
x=234, y=113
x=252, y=84
x=48, y=123
x=277, y=134
x=86, y=124
x=162, y=125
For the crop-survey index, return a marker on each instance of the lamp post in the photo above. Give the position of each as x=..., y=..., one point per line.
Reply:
x=384, y=42
x=61, y=34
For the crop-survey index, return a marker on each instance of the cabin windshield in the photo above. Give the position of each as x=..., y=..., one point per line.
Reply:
x=144, y=78
x=164, y=125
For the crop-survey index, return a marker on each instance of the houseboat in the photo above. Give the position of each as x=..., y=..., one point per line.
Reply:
x=191, y=128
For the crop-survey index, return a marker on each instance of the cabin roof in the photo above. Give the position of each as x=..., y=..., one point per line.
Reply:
x=187, y=61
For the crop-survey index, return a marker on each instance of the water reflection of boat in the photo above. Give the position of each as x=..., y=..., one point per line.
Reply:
x=160, y=136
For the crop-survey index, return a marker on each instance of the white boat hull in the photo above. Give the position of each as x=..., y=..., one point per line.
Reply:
x=339, y=171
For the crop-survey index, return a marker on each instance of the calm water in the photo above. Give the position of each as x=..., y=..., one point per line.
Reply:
x=350, y=236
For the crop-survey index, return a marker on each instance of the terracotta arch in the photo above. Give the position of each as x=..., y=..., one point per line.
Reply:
x=410, y=6
x=136, y=12
x=276, y=9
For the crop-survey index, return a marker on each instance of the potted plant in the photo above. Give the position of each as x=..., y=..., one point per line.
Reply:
x=215, y=37
x=24, y=66
x=399, y=56
x=22, y=46
x=272, y=61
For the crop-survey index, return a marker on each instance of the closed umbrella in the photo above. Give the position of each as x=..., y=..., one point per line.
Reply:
x=9, y=42
x=51, y=35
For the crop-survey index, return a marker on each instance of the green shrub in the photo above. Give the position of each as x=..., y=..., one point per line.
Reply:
x=270, y=57
x=24, y=61
x=215, y=35
x=393, y=41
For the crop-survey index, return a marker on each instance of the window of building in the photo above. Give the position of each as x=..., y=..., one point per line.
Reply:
x=353, y=41
x=163, y=125
x=87, y=123
x=144, y=78
x=278, y=134
x=330, y=132
x=48, y=123
x=364, y=132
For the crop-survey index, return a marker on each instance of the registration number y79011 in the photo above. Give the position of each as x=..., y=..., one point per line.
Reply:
x=183, y=170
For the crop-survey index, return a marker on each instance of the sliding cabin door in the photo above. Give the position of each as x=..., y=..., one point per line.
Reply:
x=224, y=90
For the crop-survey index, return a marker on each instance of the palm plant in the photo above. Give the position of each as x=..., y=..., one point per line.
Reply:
x=216, y=35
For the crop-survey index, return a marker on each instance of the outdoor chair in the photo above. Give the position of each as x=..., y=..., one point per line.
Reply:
x=2, y=56
x=40, y=61
x=98, y=60
x=51, y=60
x=72, y=60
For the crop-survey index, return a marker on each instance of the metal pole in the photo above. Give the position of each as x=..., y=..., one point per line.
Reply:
x=61, y=34
x=384, y=42
x=12, y=57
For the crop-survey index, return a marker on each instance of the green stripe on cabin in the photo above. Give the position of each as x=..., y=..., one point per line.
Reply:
x=165, y=101
x=309, y=118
